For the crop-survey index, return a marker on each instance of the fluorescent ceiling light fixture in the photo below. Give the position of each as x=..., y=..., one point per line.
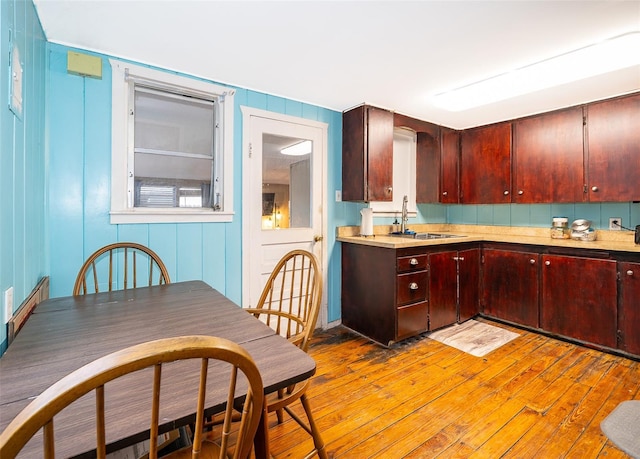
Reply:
x=298, y=149
x=606, y=56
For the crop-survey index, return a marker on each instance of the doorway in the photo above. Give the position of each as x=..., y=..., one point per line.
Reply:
x=283, y=196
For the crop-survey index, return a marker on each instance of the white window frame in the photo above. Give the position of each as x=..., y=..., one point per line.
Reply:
x=122, y=209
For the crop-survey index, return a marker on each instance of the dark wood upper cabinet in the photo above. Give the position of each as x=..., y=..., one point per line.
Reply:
x=450, y=160
x=613, y=150
x=548, y=159
x=485, y=160
x=367, y=154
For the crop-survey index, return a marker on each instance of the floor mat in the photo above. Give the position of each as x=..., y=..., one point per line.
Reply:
x=622, y=427
x=473, y=337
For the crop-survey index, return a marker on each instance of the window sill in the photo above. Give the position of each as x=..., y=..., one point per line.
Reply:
x=172, y=216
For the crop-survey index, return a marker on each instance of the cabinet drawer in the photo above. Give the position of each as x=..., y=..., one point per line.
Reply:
x=412, y=263
x=412, y=287
x=412, y=320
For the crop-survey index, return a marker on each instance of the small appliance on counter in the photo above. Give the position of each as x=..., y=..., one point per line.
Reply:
x=581, y=230
x=366, y=224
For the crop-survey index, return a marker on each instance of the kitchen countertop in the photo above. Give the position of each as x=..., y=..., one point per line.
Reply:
x=620, y=241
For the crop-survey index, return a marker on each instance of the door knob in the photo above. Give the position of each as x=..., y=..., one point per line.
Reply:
x=317, y=238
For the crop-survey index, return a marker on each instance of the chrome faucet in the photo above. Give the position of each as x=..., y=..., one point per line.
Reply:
x=405, y=214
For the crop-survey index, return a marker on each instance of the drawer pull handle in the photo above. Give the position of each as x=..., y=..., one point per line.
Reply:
x=413, y=262
x=457, y=258
x=413, y=286
x=629, y=273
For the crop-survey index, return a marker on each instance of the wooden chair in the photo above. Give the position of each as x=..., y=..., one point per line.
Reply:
x=93, y=377
x=290, y=303
x=135, y=258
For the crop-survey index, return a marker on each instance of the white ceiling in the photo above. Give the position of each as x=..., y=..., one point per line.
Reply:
x=338, y=54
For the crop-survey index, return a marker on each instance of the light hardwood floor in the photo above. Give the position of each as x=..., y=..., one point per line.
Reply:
x=535, y=397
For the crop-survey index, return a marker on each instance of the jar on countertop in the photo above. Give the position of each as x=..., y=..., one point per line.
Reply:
x=560, y=228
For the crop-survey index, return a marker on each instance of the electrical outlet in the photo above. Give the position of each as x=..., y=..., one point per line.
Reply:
x=8, y=304
x=338, y=195
x=615, y=223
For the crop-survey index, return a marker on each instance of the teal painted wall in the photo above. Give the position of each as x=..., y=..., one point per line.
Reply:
x=79, y=189
x=23, y=253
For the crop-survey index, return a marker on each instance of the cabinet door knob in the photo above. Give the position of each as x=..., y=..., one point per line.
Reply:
x=547, y=262
x=389, y=189
x=413, y=262
x=413, y=286
x=444, y=193
x=506, y=193
x=533, y=261
x=629, y=273
x=520, y=192
x=317, y=238
x=594, y=188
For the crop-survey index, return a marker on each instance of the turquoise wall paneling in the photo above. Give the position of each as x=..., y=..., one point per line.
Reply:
x=23, y=251
x=66, y=174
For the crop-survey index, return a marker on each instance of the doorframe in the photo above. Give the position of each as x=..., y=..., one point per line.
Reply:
x=247, y=113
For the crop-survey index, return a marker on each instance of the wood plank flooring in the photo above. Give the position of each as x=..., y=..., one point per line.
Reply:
x=535, y=397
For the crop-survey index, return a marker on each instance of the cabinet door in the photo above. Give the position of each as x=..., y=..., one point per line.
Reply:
x=427, y=168
x=367, y=154
x=450, y=159
x=579, y=298
x=548, y=158
x=485, y=162
x=468, y=283
x=629, y=311
x=510, y=282
x=613, y=130
x=443, y=285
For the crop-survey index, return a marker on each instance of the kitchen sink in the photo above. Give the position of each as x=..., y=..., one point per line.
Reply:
x=415, y=235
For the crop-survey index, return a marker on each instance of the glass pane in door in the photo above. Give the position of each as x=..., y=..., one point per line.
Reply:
x=286, y=182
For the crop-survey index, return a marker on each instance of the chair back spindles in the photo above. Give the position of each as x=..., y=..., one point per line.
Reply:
x=128, y=253
x=230, y=359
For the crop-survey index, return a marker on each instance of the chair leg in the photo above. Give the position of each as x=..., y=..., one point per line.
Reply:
x=315, y=432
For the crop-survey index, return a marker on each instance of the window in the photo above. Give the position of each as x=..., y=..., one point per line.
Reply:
x=404, y=176
x=172, y=149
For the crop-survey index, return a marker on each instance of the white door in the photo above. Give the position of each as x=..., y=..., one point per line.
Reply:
x=283, y=195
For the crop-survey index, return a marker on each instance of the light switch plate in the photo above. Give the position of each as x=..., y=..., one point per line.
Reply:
x=8, y=304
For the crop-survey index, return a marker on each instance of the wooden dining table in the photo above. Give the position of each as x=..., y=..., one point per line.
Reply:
x=66, y=333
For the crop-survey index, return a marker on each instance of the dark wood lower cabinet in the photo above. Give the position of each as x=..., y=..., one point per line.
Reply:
x=579, y=298
x=468, y=284
x=589, y=296
x=629, y=310
x=510, y=286
x=443, y=285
